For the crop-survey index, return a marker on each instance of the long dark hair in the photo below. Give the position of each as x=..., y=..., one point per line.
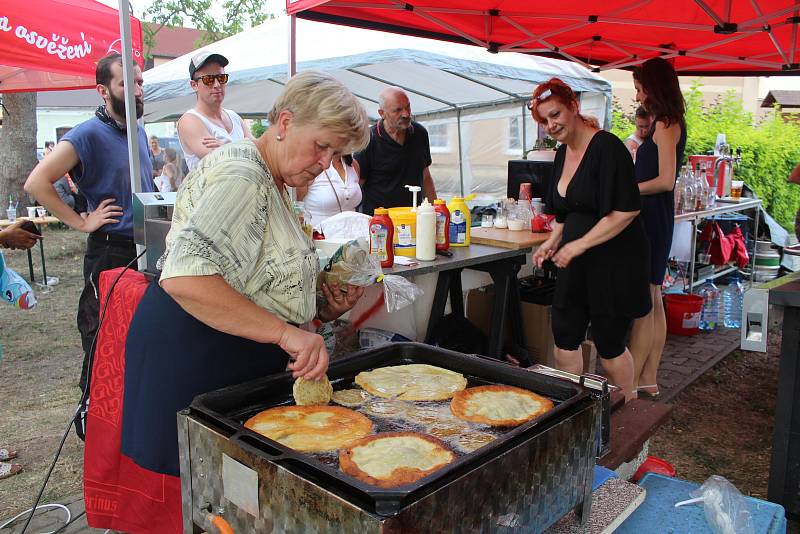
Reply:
x=664, y=98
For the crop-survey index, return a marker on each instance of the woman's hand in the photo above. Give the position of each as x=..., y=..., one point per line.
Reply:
x=307, y=352
x=544, y=252
x=338, y=301
x=16, y=237
x=568, y=252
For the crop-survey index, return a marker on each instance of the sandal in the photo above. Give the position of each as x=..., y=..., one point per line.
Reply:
x=642, y=392
x=6, y=455
x=9, y=470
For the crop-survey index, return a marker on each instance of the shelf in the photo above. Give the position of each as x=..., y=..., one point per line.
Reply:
x=717, y=274
x=719, y=209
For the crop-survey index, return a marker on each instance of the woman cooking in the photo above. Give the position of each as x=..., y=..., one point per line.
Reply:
x=597, y=242
x=239, y=275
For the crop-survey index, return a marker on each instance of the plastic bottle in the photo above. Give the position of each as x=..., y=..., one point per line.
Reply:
x=11, y=212
x=426, y=231
x=710, y=314
x=460, y=222
x=732, y=299
x=442, y=224
x=381, y=234
x=688, y=192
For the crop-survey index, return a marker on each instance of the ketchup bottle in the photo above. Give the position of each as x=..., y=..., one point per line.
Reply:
x=442, y=224
x=381, y=236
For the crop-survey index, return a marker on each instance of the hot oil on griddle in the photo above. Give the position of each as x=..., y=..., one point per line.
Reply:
x=425, y=417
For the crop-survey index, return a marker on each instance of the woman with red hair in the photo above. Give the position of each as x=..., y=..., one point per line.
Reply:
x=658, y=160
x=598, y=242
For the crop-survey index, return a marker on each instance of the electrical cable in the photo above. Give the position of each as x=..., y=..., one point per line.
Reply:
x=59, y=506
x=62, y=527
x=84, y=396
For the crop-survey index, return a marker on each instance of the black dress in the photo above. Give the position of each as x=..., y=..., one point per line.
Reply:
x=170, y=358
x=610, y=279
x=658, y=210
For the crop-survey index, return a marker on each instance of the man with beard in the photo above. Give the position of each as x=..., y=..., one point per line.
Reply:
x=398, y=154
x=208, y=125
x=95, y=154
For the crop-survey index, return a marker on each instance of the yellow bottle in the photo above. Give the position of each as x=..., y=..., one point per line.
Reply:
x=460, y=221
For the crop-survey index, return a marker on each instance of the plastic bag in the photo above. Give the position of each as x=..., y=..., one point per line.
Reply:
x=352, y=264
x=346, y=225
x=14, y=289
x=725, y=509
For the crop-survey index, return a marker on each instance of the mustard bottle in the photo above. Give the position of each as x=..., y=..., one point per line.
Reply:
x=460, y=221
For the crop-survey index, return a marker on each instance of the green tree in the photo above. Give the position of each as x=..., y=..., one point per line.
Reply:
x=257, y=128
x=239, y=15
x=770, y=149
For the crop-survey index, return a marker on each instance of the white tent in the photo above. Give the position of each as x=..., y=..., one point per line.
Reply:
x=444, y=81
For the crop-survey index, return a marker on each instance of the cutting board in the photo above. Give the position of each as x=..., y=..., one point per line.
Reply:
x=501, y=237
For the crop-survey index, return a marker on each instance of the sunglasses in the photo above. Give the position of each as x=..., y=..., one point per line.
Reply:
x=208, y=79
x=539, y=99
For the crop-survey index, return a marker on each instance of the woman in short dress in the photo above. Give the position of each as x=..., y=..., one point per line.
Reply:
x=658, y=160
x=597, y=243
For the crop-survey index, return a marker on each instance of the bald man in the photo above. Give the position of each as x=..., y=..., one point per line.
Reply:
x=398, y=154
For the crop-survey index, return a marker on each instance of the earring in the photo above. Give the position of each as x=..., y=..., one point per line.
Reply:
x=278, y=137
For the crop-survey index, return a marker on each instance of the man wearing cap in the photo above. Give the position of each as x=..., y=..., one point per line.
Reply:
x=398, y=154
x=208, y=125
x=95, y=154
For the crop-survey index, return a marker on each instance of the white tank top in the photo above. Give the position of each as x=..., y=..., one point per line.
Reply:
x=236, y=134
x=321, y=201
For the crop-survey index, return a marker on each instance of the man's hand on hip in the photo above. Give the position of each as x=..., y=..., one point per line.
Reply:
x=106, y=213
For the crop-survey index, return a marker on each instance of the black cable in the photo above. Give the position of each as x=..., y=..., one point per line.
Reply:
x=84, y=396
x=78, y=516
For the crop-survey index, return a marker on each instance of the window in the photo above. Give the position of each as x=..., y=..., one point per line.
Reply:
x=439, y=135
x=515, y=135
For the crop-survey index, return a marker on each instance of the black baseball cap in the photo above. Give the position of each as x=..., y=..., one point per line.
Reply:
x=202, y=58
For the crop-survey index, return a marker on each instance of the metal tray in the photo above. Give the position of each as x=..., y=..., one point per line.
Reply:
x=227, y=408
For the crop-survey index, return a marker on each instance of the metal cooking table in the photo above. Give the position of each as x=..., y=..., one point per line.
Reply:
x=721, y=207
x=502, y=265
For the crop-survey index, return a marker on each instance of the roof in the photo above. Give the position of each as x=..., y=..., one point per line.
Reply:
x=174, y=42
x=701, y=37
x=438, y=77
x=785, y=99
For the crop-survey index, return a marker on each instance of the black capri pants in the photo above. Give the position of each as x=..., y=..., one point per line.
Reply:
x=608, y=332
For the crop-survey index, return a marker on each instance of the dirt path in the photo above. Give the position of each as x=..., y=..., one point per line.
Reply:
x=721, y=425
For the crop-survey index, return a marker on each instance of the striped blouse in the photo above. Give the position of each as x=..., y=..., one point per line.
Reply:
x=230, y=219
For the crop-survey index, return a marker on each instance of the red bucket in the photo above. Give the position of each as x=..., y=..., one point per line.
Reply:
x=683, y=314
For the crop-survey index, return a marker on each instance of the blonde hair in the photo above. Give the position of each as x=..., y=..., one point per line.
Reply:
x=318, y=99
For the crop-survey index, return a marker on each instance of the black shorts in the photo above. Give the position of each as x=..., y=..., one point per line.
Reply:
x=608, y=332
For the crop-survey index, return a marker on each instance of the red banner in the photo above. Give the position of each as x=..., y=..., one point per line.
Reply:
x=55, y=44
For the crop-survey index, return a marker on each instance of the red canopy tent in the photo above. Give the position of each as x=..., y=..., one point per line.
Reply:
x=51, y=45
x=705, y=37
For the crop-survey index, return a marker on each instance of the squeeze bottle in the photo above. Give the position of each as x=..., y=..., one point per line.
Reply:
x=381, y=234
x=460, y=221
x=442, y=224
x=426, y=232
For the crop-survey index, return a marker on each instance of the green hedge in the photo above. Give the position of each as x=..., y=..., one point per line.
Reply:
x=770, y=149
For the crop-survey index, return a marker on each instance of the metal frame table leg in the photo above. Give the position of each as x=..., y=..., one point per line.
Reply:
x=44, y=265
x=30, y=265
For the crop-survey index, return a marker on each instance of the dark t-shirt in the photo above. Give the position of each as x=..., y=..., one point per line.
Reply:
x=612, y=277
x=102, y=171
x=387, y=167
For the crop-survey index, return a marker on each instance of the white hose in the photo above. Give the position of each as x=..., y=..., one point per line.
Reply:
x=41, y=506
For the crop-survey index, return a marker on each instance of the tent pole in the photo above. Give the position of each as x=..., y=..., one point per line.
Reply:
x=292, y=60
x=524, y=133
x=460, y=155
x=134, y=165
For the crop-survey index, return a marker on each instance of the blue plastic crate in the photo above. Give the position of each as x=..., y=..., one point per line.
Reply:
x=658, y=515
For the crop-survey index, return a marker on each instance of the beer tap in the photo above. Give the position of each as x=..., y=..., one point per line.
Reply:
x=724, y=157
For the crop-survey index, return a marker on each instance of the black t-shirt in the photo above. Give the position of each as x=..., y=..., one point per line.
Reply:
x=387, y=167
x=612, y=277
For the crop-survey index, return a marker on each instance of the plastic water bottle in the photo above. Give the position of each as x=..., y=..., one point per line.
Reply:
x=710, y=314
x=732, y=299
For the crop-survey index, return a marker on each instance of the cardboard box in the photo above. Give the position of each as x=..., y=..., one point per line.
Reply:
x=535, y=324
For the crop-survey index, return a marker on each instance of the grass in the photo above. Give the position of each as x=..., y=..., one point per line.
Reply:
x=40, y=370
